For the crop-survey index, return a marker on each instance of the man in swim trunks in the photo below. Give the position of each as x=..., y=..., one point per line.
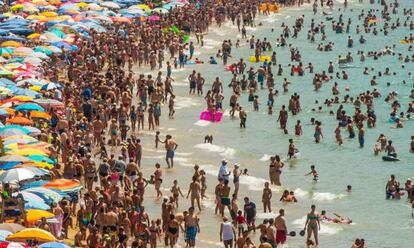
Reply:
x=170, y=146
x=281, y=228
x=225, y=197
x=192, y=227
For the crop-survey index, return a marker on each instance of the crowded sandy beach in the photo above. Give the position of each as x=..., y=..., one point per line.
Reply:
x=206, y=123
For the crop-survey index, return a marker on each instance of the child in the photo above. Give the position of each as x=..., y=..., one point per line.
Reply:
x=349, y=188
x=241, y=221
x=256, y=103
x=157, y=139
x=314, y=173
x=298, y=128
x=245, y=172
x=176, y=191
x=171, y=106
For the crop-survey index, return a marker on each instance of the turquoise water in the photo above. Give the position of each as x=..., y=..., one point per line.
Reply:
x=382, y=223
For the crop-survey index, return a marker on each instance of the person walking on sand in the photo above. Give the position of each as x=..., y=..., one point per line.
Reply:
x=192, y=227
x=170, y=147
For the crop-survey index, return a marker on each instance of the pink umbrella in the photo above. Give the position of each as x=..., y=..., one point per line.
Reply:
x=154, y=18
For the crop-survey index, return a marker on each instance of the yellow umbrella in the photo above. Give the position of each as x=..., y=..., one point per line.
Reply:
x=39, y=114
x=11, y=43
x=82, y=5
x=29, y=152
x=144, y=7
x=17, y=7
x=22, y=98
x=36, y=214
x=42, y=165
x=37, y=234
x=36, y=88
x=33, y=36
x=49, y=14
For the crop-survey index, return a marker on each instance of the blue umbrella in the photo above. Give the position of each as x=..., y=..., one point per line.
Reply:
x=51, y=86
x=26, y=92
x=8, y=165
x=4, y=234
x=3, y=112
x=29, y=107
x=40, y=158
x=54, y=245
x=7, y=81
x=33, y=201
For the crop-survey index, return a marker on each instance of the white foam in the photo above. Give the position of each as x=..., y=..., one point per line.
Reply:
x=301, y=193
x=185, y=102
x=287, y=17
x=265, y=157
x=202, y=123
x=326, y=196
x=208, y=47
x=226, y=152
x=270, y=215
x=171, y=129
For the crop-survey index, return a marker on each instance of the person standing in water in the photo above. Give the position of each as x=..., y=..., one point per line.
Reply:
x=281, y=228
x=227, y=233
x=312, y=225
x=170, y=147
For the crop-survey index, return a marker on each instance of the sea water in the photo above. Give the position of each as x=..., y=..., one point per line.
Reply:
x=382, y=223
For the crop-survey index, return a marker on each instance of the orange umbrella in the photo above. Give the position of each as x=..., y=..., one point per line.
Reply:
x=39, y=114
x=62, y=184
x=20, y=121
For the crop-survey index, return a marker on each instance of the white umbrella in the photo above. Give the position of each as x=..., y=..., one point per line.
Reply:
x=33, y=60
x=17, y=175
x=111, y=5
x=24, y=50
x=41, y=55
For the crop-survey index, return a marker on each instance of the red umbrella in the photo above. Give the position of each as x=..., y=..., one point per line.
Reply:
x=154, y=18
x=13, y=245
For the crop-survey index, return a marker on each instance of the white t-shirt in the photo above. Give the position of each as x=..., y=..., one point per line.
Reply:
x=223, y=174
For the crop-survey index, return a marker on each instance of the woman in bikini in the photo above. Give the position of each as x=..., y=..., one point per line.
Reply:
x=312, y=224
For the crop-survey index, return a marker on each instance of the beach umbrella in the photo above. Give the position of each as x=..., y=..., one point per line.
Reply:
x=16, y=175
x=64, y=185
x=29, y=107
x=11, y=227
x=22, y=98
x=34, y=164
x=23, y=50
x=54, y=245
x=48, y=103
x=43, y=49
x=23, y=137
x=4, y=91
x=19, y=121
x=11, y=132
x=111, y=5
x=51, y=86
x=33, y=201
x=33, y=60
x=144, y=7
x=41, y=158
x=4, y=234
x=37, y=214
x=160, y=10
x=6, y=50
x=36, y=234
x=33, y=130
x=14, y=128
x=26, y=92
x=33, y=36
x=154, y=18
x=36, y=114
x=50, y=196
x=29, y=152
x=13, y=245
x=11, y=43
